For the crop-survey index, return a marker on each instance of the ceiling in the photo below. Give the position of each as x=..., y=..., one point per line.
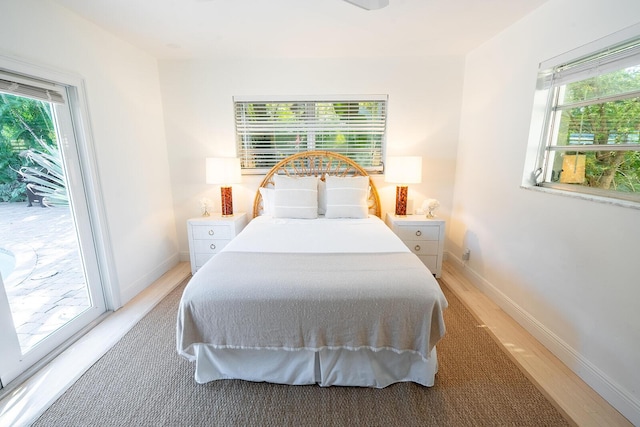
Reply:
x=184, y=29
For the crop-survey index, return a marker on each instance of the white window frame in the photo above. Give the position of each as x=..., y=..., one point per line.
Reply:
x=599, y=57
x=67, y=91
x=303, y=132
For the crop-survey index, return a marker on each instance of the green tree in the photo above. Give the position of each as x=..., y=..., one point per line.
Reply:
x=616, y=121
x=27, y=120
x=26, y=125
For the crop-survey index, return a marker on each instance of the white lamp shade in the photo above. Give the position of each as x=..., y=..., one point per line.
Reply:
x=223, y=170
x=403, y=169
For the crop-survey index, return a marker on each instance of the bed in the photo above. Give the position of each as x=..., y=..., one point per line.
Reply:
x=315, y=290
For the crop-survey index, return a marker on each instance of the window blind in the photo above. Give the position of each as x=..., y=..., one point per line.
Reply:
x=607, y=60
x=268, y=130
x=34, y=89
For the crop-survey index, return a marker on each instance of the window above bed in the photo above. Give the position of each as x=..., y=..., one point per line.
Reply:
x=269, y=129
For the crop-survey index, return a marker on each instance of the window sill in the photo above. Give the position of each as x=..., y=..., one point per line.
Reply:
x=584, y=196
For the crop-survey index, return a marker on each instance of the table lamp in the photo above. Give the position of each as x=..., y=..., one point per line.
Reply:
x=403, y=170
x=224, y=171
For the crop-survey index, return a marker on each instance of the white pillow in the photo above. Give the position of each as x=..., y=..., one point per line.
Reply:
x=295, y=197
x=268, y=200
x=347, y=197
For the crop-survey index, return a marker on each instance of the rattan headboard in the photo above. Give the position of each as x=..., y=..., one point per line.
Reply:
x=320, y=164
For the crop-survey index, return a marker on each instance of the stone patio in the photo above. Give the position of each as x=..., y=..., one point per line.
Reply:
x=46, y=286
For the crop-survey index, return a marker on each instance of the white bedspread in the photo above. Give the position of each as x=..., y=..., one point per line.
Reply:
x=312, y=285
x=321, y=235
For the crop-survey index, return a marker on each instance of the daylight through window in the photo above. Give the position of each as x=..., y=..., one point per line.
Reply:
x=270, y=130
x=591, y=134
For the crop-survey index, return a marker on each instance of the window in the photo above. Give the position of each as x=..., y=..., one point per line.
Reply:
x=591, y=132
x=272, y=129
x=46, y=155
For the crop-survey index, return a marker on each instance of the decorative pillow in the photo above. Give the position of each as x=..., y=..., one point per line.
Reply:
x=268, y=200
x=347, y=197
x=322, y=197
x=295, y=197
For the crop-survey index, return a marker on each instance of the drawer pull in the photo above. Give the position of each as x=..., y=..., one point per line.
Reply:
x=417, y=248
x=211, y=232
x=212, y=246
x=418, y=233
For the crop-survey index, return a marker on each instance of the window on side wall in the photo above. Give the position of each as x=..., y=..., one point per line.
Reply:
x=271, y=129
x=591, y=127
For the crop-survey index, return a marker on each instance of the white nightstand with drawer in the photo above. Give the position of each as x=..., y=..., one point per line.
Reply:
x=424, y=236
x=209, y=234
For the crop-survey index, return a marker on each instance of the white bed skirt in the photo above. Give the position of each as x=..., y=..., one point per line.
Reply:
x=325, y=367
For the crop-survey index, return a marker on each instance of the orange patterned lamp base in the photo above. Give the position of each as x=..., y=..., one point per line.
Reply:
x=401, y=200
x=227, y=201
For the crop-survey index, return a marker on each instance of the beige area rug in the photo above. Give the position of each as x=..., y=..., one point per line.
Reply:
x=143, y=382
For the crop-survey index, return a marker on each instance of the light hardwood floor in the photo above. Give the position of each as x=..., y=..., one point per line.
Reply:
x=578, y=402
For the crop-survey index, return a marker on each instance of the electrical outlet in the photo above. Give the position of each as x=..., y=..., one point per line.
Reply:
x=466, y=254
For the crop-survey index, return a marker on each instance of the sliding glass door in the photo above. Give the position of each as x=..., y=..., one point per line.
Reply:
x=51, y=286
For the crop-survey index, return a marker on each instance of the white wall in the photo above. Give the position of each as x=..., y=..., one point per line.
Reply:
x=424, y=105
x=126, y=119
x=566, y=268
x=569, y=265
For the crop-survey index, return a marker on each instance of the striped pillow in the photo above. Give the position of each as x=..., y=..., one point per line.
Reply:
x=347, y=197
x=295, y=197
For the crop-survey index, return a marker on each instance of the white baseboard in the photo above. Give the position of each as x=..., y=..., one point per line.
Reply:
x=141, y=284
x=611, y=391
x=184, y=256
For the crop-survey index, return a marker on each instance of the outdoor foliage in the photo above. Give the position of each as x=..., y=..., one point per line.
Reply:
x=615, y=121
x=28, y=147
x=10, y=189
x=45, y=175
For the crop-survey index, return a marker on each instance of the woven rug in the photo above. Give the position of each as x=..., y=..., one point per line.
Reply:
x=143, y=382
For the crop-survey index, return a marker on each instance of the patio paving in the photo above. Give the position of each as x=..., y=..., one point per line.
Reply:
x=46, y=286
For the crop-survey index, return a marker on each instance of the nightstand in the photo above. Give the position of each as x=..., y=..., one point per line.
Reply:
x=209, y=234
x=424, y=236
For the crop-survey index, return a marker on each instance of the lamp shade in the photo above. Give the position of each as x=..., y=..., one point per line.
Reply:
x=223, y=170
x=403, y=169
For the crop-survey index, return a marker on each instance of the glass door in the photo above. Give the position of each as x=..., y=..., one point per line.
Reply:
x=49, y=270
